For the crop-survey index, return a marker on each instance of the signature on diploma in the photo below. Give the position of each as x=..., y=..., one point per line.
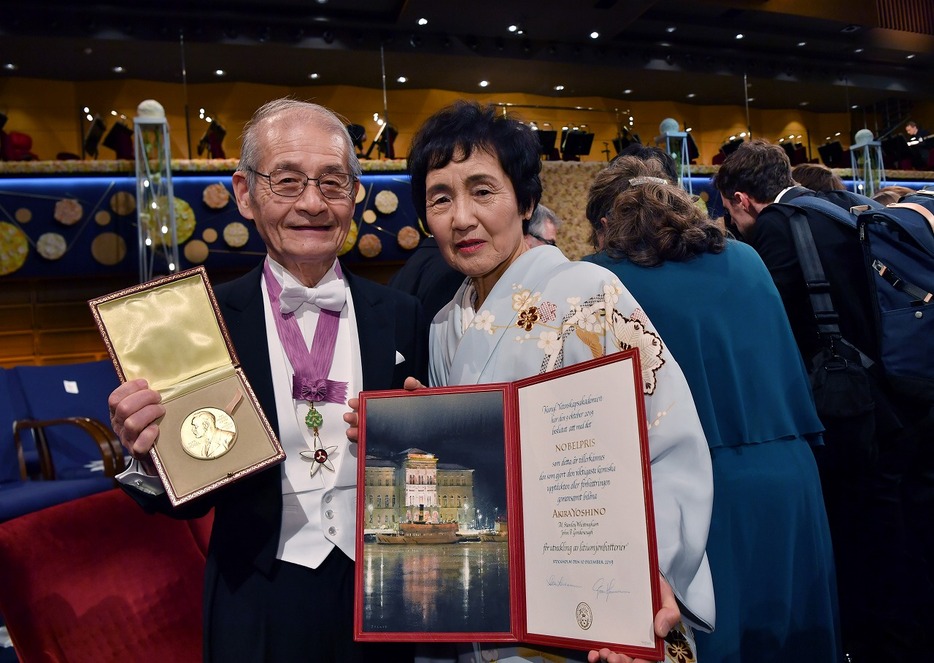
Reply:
x=602, y=588
x=553, y=581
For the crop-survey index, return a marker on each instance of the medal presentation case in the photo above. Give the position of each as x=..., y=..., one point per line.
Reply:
x=510, y=512
x=169, y=331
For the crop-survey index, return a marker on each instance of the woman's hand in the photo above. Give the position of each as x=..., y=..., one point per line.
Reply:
x=665, y=619
x=352, y=418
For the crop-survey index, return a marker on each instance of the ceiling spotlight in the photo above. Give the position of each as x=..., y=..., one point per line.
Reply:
x=627, y=91
x=9, y=66
x=220, y=72
x=857, y=50
x=513, y=28
x=558, y=88
x=484, y=83
x=739, y=36
x=402, y=79
x=423, y=21
x=802, y=43
x=751, y=99
x=910, y=56
x=854, y=106
x=691, y=95
x=804, y=103
x=594, y=34
x=118, y=69
x=670, y=29
x=313, y=76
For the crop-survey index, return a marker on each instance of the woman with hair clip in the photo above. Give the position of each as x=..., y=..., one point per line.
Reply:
x=714, y=303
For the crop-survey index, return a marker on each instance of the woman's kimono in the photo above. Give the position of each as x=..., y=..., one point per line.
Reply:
x=546, y=312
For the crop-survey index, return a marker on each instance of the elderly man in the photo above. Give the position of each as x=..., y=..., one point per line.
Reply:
x=864, y=488
x=543, y=227
x=279, y=577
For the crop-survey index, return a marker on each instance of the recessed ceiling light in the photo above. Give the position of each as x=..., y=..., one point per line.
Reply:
x=857, y=50
x=484, y=83
x=910, y=56
x=670, y=29
x=402, y=79
x=802, y=43
x=627, y=91
x=691, y=95
x=751, y=99
x=804, y=103
x=118, y=69
x=594, y=34
x=423, y=21
x=739, y=36
x=220, y=72
x=313, y=76
x=854, y=106
x=513, y=28
x=558, y=88
x=664, y=44
x=10, y=66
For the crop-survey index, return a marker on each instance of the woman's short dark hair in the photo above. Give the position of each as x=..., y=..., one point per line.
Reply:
x=454, y=132
x=650, y=219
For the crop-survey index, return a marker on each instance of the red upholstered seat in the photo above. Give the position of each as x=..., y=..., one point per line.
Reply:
x=97, y=579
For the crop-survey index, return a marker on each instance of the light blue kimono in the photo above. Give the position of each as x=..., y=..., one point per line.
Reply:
x=546, y=312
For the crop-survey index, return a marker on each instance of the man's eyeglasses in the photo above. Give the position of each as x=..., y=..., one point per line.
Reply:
x=292, y=183
x=549, y=242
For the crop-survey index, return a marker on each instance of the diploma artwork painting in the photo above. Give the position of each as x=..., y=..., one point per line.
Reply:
x=435, y=550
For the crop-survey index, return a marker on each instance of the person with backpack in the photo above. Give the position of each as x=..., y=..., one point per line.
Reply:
x=883, y=581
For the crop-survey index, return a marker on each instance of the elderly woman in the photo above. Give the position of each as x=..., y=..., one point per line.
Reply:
x=522, y=311
x=715, y=304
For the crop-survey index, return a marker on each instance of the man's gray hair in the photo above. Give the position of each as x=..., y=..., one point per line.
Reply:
x=251, y=150
x=539, y=217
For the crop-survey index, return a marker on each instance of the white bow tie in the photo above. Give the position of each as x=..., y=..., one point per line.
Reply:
x=330, y=296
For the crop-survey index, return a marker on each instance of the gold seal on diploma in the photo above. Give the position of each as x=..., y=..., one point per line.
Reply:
x=584, y=616
x=208, y=433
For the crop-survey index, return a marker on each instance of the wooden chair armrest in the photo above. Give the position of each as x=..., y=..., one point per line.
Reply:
x=109, y=447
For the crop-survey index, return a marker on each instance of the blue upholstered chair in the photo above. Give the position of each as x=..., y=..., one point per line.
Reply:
x=21, y=432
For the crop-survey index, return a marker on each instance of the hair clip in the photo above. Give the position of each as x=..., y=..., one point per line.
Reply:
x=635, y=181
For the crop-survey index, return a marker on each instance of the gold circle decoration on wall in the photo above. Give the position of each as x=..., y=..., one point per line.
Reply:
x=408, y=237
x=236, y=234
x=196, y=251
x=386, y=202
x=209, y=235
x=215, y=196
x=351, y=238
x=369, y=246
x=108, y=249
x=14, y=247
x=369, y=216
x=68, y=211
x=51, y=246
x=123, y=203
x=102, y=218
x=23, y=215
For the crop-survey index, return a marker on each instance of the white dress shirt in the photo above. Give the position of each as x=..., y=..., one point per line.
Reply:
x=319, y=511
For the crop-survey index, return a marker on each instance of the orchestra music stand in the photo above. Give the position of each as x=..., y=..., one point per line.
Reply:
x=576, y=144
x=831, y=154
x=547, y=140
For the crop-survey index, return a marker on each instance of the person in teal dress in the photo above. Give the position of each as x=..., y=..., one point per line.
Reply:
x=714, y=302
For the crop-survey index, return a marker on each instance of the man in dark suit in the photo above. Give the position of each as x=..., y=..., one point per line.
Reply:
x=876, y=566
x=279, y=577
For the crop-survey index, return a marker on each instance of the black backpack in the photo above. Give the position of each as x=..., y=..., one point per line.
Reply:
x=898, y=247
